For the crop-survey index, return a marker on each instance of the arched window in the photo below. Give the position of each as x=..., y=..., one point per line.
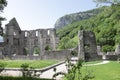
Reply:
x=14, y=33
x=36, y=33
x=48, y=32
x=26, y=34
x=36, y=51
x=25, y=51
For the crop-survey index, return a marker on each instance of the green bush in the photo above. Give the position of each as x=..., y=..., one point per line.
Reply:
x=107, y=48
x=74, y=53
x=48, y=48
x=2, y=66
x=25, y=70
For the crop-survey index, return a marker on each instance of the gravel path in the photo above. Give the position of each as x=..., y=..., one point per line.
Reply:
x=104, y=62
x=50, y=72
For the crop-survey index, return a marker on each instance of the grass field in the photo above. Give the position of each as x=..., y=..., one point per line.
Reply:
x=109, y=71
x=32, y=63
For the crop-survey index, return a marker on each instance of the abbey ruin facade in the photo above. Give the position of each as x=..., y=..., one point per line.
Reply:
x=24, y=42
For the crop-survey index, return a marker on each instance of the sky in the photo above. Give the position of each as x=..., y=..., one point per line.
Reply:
x=42, y=14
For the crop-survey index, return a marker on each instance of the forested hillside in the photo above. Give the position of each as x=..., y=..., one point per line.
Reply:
x=106, y=26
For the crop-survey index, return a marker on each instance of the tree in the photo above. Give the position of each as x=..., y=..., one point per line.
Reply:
x=107, y=1
x=3, y=4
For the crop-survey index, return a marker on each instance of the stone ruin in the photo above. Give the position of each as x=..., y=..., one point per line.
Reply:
x=109, y=55
x=23, y=42
x=87, y=49
x=18, y=43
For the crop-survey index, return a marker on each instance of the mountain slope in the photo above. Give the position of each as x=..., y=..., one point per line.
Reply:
x=70, y=18
x=106, y=26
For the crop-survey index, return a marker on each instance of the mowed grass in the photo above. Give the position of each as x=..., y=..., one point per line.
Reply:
x=32, y=63
x=109, y=71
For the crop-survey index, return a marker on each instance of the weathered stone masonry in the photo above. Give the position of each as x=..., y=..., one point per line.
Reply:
x=19, y=44
x=87, y=49
x=18, y=41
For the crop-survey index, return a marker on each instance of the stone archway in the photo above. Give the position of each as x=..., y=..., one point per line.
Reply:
x=36, y=51
x=25, y=51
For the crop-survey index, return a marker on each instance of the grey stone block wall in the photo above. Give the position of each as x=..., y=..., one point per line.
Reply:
x=17, y=41
x=48, y=55
x=87, y=46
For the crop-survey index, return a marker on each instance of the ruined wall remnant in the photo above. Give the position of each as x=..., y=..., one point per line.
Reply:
x=87, y=46
x=12, y=38
x=117, y=50
x=48, y=55
x=21, y=42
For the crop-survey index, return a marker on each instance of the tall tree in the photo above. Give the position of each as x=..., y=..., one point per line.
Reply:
x=3, y=4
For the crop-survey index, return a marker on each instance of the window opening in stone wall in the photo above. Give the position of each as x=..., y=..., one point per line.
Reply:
x=14, y=51
x=14, y=33
x=48, y=48
x=25, y=34
x=36, y=33
x=25, y=51
x=36, y=51
x=48, y=32
x=7, y=41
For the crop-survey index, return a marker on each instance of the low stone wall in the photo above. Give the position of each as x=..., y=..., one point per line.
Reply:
x=112, y=57
x=23, y=57
x=57, y=55
x=109, y=57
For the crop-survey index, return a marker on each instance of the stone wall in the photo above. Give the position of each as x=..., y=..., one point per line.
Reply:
x=55, y=55
x=87, y=46
x=58, y=55
x=21, y=42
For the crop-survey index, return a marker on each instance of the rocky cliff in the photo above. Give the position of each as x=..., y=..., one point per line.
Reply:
x=70, y=18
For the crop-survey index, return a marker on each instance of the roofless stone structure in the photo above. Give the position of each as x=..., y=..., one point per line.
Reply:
x=21, y=42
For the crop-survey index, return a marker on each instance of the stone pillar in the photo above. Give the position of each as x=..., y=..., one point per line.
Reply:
x=81, y=54
x=117, y=50
x=87, y=46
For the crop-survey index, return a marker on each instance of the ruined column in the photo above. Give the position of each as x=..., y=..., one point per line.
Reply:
x=81, y=54
x=87, y=49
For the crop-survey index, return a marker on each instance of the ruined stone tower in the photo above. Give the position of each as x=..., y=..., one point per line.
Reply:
x=87, y=49
x=25, y=42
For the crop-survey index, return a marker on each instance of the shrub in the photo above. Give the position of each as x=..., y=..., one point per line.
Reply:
x=107, y=48
x=74, y=72
x=2, y=66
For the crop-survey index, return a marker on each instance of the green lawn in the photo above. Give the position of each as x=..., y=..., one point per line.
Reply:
x=32, y=63
x=110, y=71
